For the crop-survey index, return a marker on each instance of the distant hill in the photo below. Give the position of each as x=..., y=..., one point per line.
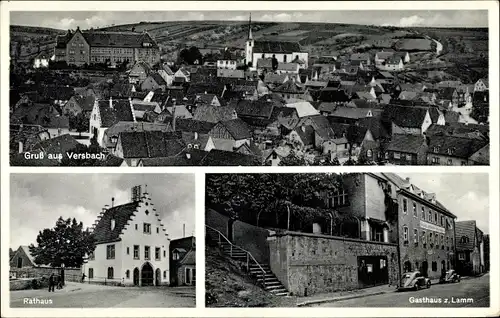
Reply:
x=32, y=30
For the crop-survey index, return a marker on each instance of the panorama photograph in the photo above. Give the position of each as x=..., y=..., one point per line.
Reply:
x=249, y=88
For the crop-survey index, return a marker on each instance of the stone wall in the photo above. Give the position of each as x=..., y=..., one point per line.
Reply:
x=70, y=274
x=314, y=263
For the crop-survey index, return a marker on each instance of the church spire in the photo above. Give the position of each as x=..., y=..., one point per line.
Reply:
x=250, y=37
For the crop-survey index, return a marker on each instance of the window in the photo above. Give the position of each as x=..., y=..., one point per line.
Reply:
x=147, y=228
x=424, y=239
x=415, y=236
x=128, y=250
x=92, y=256
x=461, y=256
x=164, y=253
x=127, y=274
x=284, y=58
x=464, y=240
x=110, y=251
x=422, y=213
x=146, y=252
x=369, y=153
x=405, y=235
x=386, y=155
x=442, y=242
x=157, y=230
x=431, y=243
x=338, y=199
x=405, y=206
x=434, y=266
x=408, y=157
x=435, y=218
x=110, y=273
x=429, y=219
x=136, y=227
x=463, y=163
x=415, y=214
x=157, y=253
x=397, y=155
x=136, y=251
x=442, y=220
x=450, y=162
x=175, y=256
x=91, y=273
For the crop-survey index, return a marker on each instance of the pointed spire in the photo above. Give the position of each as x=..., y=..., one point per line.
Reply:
x=250, y=37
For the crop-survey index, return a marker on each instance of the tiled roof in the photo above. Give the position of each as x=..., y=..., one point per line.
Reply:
x=290, y=67
x=189, y=157
x=468, y=229
x=227, y=158
x=150, y=144
x=131, y=126
x=406, y=143
x=26, y=251
x=121, y=111
x=303, y=109
x=356, y=134
x=214, y=114
x=455, y=146
x=237, y=128
x=384, y=55
x=144, y=106
x=158, y=79
x=275, y=47
x=290, y=87
x=412, y=117
x=258, y=108
x=111, y=161
x=354, y=113
x=86, y=103
x=275, y=78
x=306, y=134
x=189, y=258
x=121, y=214
x=60, y=144
x=375, y=126
x=118, y=39
x=360, y=56
x=191, y=125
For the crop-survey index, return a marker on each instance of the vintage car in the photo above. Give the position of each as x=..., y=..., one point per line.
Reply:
x=450, y=277
x=414, y=280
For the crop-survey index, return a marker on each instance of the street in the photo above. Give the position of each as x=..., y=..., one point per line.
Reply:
x=76, y=295
x=473, y=292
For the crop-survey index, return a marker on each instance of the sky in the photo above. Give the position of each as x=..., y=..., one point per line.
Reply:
x=464, y=194
x=37, y=200
x=65, y=20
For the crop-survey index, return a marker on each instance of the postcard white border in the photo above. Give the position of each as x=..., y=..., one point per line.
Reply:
x=200, y=310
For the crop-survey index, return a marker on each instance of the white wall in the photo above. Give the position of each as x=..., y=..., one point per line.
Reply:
x=100, y=264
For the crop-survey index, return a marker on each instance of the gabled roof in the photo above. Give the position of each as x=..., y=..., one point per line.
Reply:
x=192, y=125
x=144, y=106
x=412, y=117
x=303, y=109
x=26, y=250
x=455, y=146
x=189, y=258
x=86, y=103
x=290, y=87
x=167, y=69
x=360, y=56
x=306, y=134
x=60, y=144
x=158, y=79
x=289, y=67
x=121, y=110
x=259, y=108
x=355, y=113
x=230, y=73
x=187, y=158
x=275, y=78
x=121, y=214
x=265, y=63
x=406, y=143
x=150, y=144
x=237, y=128
x=214, y=114
x=228, y=158
x=118, y=39
x=276, y=47
x=131, y=126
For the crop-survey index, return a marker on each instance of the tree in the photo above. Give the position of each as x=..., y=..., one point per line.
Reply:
x=293, y=160
x=81, y=123
x=191, y=55
x=66, y=243
x=274, y=63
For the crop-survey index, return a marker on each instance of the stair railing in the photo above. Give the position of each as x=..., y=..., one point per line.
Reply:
x=249, y=255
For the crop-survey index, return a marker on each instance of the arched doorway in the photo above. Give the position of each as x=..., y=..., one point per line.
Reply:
x=136, y=276
x=147, y=278
x=425, y=267
x=158, y=277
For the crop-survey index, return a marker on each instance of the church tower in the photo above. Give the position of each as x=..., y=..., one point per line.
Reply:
x=249, y=44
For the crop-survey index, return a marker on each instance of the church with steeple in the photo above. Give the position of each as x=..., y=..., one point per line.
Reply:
x=284, y=51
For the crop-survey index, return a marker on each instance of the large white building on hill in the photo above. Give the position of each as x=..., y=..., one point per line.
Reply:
x=132, y=244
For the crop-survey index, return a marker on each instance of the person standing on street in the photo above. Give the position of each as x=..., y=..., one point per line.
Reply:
x=51, y=283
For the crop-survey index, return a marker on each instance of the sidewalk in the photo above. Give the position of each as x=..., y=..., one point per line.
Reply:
x=70, y=287
x=344, y=295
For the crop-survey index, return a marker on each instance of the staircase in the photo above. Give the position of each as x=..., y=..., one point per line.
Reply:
x=261, y=272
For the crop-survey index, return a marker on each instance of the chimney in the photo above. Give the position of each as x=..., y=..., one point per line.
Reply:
x=184, y=230
x=110, y=102
x=21, y=147
x=112, y=202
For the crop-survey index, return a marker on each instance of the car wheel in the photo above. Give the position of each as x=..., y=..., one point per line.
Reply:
x=459, y=279
x=429, y=284
x=417, y=286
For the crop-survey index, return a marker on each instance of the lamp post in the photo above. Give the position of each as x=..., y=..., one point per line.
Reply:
x=62, y=274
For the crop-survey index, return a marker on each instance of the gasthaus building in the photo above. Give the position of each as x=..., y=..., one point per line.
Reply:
x=426, y=229
x=132, y=245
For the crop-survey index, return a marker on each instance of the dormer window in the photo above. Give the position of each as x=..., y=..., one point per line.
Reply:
x=114, y=139
x=190, y=146
x=196, y=146
x=113, y=223
x=146, y=44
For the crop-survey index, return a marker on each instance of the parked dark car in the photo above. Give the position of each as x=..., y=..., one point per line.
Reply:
x=450, y=277
x=414, y=280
